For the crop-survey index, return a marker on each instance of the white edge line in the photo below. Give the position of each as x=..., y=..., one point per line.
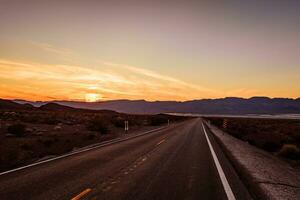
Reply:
x=95, y=146
x=224, y=180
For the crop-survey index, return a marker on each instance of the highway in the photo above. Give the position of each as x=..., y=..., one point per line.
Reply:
x=182, y=161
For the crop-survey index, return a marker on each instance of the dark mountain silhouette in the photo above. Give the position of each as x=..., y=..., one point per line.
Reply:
x=56, y=107
x=228, y=105
x=59, y=107
x=10, y=105
x=45, y=106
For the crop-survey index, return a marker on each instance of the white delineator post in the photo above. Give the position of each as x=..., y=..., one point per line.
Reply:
x=126, y=126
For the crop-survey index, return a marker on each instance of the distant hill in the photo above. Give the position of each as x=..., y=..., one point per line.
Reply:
x=228, y=105
x=45, y=106
x=59, y=107
x=10, y=105
x=56, y=107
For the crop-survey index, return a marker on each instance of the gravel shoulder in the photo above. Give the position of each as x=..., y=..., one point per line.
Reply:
x=267, y=176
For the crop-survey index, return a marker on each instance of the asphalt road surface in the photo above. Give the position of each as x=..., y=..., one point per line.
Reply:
x=173, y=163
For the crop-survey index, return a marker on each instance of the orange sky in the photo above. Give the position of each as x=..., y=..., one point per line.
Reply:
x=90, y=51
x=33, y=81
x=48, y=82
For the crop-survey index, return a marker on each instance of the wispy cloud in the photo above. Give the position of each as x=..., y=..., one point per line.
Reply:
x=163, y=78
x=63, y=52
x=36, y=81
x=74, y=82
x=61, y=81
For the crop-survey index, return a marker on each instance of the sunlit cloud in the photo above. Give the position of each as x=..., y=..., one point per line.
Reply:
x=162, y=78
x=183, y=52
x=51, y=48
x=36, y=81
x=68, y=82
x=63, y=53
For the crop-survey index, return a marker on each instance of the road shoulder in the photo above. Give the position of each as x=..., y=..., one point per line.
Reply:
x=266, y=176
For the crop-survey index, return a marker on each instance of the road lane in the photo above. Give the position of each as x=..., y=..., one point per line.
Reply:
x=181, y=168
x=63, y=178
x=174, y=163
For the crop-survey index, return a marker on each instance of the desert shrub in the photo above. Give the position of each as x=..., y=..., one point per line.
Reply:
x=271, y=146
x=99, y=125
x=56, y=139
x=10, y=158
x=118, y=122
x=48, y=142
x=68, y=141
x=91, y=137
x=50, y=120
x=18, y=130
x=25, y=147
x=30, y=118
x=290, y=151
x=157, y=120
x=216, y=121
x=286, y=139
x=250, y=141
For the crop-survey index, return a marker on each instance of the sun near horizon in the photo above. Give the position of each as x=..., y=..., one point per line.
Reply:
x=92, y=97
x=91, y=51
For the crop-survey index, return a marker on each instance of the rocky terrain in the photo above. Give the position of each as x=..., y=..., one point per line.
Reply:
x=28, y=134
x=280, y=137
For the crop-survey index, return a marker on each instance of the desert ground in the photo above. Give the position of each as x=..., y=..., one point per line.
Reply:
x=280, y=137
x=34, y=134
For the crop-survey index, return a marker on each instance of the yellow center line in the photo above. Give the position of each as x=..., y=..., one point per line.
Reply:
x=82, y=194
x=162, y=141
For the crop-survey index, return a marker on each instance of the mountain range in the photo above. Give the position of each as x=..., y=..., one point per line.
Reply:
x=228, y=105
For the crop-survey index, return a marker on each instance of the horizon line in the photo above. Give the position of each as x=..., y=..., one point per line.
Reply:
x=82, y=101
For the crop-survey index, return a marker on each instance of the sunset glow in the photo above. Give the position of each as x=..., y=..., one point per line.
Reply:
x=115, y=50
x=92, y=97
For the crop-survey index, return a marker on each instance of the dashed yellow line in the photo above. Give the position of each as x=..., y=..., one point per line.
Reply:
x=108, y=187
x=162, y=141
x=84, y=192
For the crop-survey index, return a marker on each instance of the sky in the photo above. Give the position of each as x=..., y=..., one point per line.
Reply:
x=92, y=50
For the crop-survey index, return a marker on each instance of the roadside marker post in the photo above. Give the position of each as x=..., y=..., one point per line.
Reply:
x=126, y=126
